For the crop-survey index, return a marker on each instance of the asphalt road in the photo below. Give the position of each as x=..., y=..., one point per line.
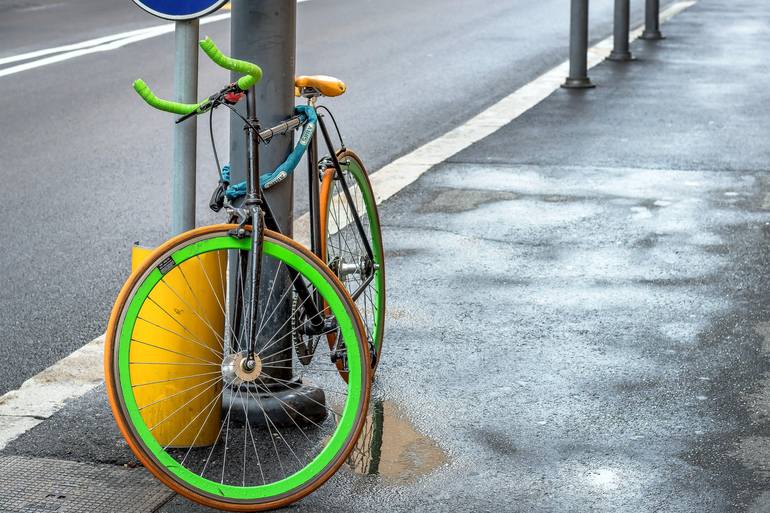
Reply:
x=85, y=165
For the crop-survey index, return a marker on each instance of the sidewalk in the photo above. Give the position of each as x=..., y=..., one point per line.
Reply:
x=577, y=303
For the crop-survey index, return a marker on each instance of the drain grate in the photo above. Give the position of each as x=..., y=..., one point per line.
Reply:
x=39, y=485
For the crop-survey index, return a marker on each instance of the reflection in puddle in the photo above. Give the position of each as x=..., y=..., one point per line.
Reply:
x=390, y=447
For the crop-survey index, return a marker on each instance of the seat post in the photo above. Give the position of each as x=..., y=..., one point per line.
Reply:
x=313, y=188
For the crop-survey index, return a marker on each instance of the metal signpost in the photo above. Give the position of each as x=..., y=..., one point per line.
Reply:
x=185, y=134
x=186, y=15
x=264, y=32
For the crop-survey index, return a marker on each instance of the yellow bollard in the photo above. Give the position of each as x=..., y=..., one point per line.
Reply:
x=176, y=353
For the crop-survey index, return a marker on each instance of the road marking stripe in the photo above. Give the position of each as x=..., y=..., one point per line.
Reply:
x=403, y=171
x=100, y=44
x=44, y=394
x=74, y=46
x=103, y=44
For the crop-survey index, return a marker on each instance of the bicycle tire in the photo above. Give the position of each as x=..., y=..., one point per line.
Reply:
x=122, y=346
x=371, y=304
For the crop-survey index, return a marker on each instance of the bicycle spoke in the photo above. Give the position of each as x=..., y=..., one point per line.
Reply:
x=195, y=341
x=227, y=438
x=216, y=440
x=270, y=296
x=214, y=420
x=259, y=402
x=281, y=403
x=182, y=407
x=178, y=393
x=194, y=311
x=211, y=407
x=272, y=341
x=213, y=292
x=254, y=444
x=171, y=351
x=185, y=364
x=174, y=379
x=270, y=431
x=294, y=409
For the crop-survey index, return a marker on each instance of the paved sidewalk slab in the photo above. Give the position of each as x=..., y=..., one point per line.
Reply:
x=694, y=101
x=575, y=340
x=35, y=485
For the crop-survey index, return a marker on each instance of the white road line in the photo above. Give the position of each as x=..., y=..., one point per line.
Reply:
x=44, y=394
x=401, y=172
x=100, y=44
x=103, y=44
x=92, y=42
x=74, y=46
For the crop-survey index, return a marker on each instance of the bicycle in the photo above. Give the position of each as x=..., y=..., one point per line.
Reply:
x=199, y=376
x=349, y=243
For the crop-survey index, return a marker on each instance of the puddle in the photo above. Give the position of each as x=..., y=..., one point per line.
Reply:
x=391, y=447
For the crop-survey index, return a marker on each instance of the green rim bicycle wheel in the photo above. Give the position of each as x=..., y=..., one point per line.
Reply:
x=170, y=352
x=345, y=251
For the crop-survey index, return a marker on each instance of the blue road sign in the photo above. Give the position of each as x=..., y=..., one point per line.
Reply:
x=180, y=9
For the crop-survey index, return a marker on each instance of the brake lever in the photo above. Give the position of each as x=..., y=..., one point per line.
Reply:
x=189, y=115
x=213, y=101
x=200, y=110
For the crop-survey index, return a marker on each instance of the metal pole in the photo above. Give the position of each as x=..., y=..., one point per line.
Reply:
x=578, y=47
x=652, y=21
x=264, y=32
x=186, y=91
x=621, y=50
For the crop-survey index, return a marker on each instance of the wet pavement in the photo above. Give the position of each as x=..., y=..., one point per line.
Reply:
x=110, y=156
x=577, y=304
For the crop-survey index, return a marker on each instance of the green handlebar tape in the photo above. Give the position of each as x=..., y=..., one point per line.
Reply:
x=252, y=74
x=174, y=107
x=251, y=71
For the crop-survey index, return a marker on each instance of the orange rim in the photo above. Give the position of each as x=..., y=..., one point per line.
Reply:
x=122, y=423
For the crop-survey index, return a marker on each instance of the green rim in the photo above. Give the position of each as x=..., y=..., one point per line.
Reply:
x=347, y=422
x=355, y=169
